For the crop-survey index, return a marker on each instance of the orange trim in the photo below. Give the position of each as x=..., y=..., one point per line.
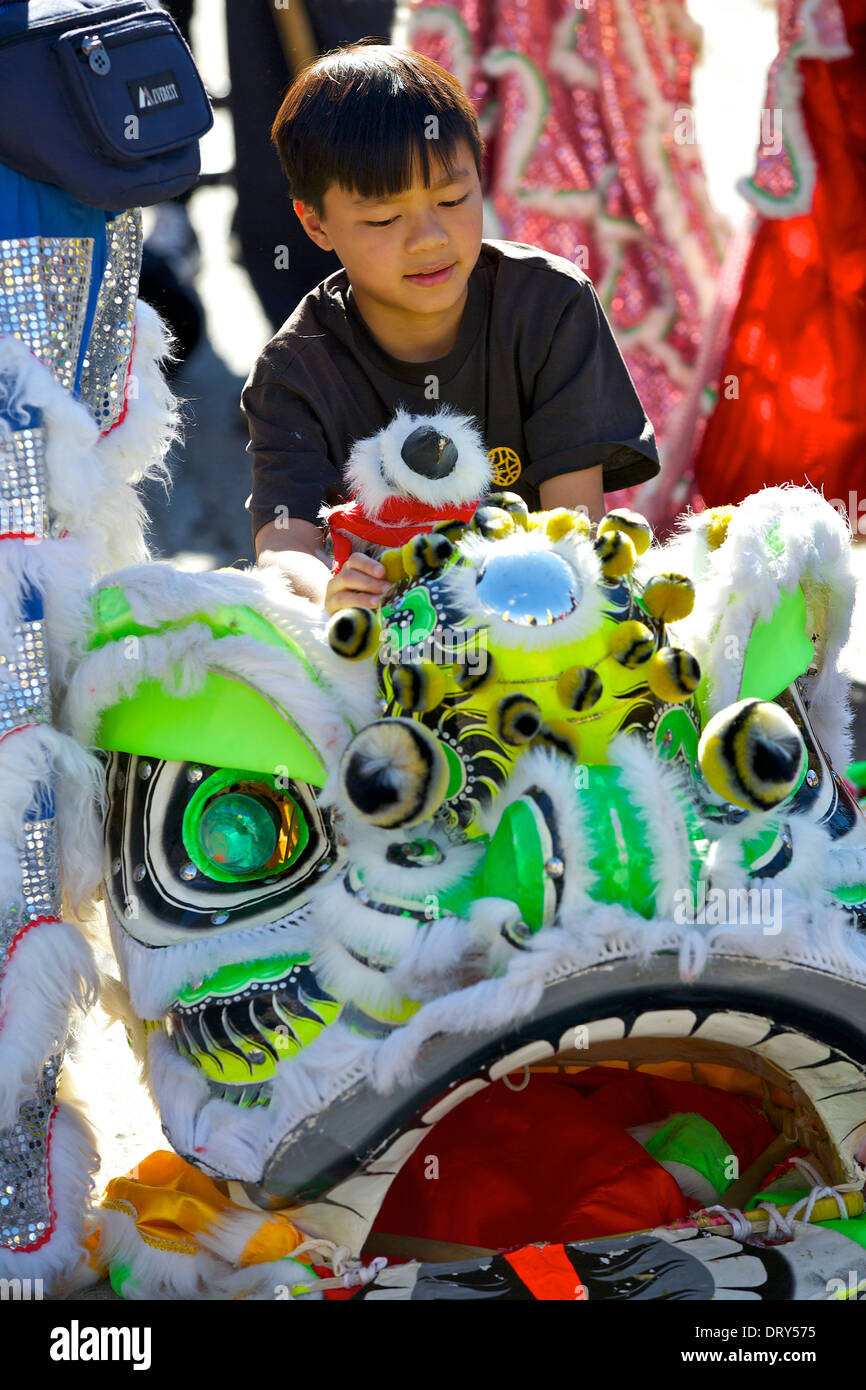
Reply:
x=548, y=1273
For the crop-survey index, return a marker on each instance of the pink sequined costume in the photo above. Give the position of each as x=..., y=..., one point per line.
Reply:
x=592, y=155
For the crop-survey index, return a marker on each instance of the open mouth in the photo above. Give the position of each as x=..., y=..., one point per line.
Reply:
x=787, y=1045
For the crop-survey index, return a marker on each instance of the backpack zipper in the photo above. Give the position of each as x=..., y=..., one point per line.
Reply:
x=92, y=49
x=72, y=21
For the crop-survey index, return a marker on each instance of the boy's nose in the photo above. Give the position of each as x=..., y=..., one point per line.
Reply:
x=429, y=453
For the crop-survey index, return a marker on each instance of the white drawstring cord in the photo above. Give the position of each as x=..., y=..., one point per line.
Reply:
x=782, y=1227
x=349, y=1272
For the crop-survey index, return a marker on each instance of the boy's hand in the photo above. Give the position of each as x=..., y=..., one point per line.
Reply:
x=361, y=583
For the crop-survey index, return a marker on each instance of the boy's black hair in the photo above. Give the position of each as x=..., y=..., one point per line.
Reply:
x=361, y=115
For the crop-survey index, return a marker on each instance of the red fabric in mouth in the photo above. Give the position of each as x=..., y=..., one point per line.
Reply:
x=395, y=523
x=554, y=1162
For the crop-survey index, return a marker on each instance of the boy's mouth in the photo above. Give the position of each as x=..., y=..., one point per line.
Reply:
x=437, y=275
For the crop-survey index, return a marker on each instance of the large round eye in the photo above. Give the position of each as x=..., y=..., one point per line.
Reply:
x=235, y=828
x=238, y=832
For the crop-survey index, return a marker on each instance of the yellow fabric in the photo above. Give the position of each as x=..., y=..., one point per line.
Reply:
x=171, y=1202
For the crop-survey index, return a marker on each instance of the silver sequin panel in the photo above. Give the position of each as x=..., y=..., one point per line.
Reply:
x=103, y=376
x=25, y=1209
x=44, y=287
x=23, y=483
x=25, y=696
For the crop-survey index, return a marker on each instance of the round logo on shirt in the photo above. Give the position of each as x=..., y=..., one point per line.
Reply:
x=506, y=466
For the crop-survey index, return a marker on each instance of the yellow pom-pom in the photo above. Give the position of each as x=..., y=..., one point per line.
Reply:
x=673, y=674
x=477, y=674
x=492, y=522
x=559, y=736
x=579, y=688
x=455, y=530
x=632, y=524
x=558, y=523
x=426, y=554
x=394, y=773
x=617, y=554
x=512, y=504
x=718, y=519
x=395, y=571
x=418, y=686
x=354, y=633
x=669, y=597
x=752, y=754
x=632, y=643
x=516, y=719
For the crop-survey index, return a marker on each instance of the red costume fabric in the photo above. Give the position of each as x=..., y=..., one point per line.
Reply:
x=395, y=523
x=554, y=1162
x=790, y=407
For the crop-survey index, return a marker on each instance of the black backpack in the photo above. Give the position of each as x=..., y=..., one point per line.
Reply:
x=101, y=98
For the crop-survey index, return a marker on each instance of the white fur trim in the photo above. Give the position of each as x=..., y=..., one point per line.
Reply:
x=153, y=975
x=39, y=756
x=375, y=470
x=181, y=658
x=459, y=584
x=153, y=1273
x=84, y=496
x=656, y=792
x=50, y=973
x=137, y=447
x=743, y=580
x=545, y=768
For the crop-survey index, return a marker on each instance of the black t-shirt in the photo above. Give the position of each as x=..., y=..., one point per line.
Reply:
x=535, y=363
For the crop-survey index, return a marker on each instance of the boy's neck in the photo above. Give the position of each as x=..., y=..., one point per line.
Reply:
x=411, y=337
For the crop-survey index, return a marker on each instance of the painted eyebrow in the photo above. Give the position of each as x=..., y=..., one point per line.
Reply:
x=443, y=183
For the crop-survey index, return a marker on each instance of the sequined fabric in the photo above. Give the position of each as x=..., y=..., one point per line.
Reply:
x=25, y=1199
x=24, y=694
x=44, y=292
x=106, y=363
x=783, y=183
x=44, y=288
x=22, y=479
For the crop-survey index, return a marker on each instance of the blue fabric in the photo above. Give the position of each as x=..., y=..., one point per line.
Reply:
x=29, y=208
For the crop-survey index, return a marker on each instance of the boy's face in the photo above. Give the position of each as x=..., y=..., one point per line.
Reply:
x=385, y=245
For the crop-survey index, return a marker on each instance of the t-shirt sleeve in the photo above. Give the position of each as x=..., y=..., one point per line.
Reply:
x=290, y=463
x=584, y=409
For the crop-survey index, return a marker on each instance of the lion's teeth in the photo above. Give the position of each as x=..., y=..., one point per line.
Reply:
x=392, y=1160
x=664, y=1023
x=460, y=1093
x=790, y=1050
x=600, y=1030
x=740, y=1030
x=523, y=1057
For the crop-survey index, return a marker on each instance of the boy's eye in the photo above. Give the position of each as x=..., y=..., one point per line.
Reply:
x=454, y=203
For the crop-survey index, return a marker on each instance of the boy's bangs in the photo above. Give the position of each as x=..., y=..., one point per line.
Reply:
x=373, y=120
x=403, y=156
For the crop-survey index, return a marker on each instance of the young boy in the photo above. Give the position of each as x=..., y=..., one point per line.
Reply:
x=383, y=154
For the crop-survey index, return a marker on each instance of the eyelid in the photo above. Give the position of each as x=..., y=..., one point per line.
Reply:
x=451, y=203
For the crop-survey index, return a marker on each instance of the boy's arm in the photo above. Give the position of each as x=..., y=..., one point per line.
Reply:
x=293, y=547
x=582, y=491
x=291, y=471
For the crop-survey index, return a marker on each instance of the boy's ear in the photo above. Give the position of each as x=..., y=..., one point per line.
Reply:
x=312, y=225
